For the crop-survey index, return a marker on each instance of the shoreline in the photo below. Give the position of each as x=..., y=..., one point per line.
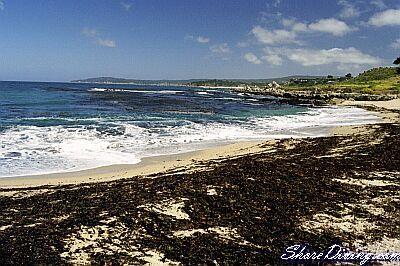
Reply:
x=162, y=163
x=242, y=209
x=148, y=166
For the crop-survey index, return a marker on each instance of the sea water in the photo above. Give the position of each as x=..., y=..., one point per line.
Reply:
x=58, y=127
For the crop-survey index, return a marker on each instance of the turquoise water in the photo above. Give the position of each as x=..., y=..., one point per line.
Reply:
x=55, y=127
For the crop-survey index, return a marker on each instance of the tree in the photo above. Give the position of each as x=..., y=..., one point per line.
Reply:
x=348, y=75
x=397, y=62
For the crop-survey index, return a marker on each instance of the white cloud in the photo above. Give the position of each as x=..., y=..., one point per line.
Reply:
x=288, y=22
x=292, y=32
x=201, y=39
x=273, y=59
x=88, y=32
x=390, y=17
x=252, y=58
x=2, y=5
x=379, y=4
x=127, y=6
x=330, y=25
x=243, y=44
x=222, y=48
x=300, y=27
x=349, y=10
x=396, y=44
x=347, y=56
x=349, y=67
x=273, y=56
x=94, y=35
x=294, y=25
x=106, y=43
x=273, y=37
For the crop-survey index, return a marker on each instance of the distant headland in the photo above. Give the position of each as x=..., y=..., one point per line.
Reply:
x=193, y=82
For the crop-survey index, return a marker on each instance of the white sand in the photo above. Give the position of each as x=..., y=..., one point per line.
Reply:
x=158, y=164
x=385, y=106
x=148, y=166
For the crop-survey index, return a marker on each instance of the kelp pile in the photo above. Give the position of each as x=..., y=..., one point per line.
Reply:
x=242, y=210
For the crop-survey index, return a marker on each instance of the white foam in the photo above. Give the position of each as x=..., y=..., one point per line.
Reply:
x=228, y=98
x=168, y=92
x=318, y=117
x=134, y=91
x=28, y=150
x=202, y=93
x=97, y=89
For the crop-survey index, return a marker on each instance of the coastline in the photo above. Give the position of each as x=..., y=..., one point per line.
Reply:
x=184, y=161
x=148, y=166
x=241, y=207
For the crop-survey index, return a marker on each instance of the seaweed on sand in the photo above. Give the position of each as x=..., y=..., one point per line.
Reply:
x=243, y=210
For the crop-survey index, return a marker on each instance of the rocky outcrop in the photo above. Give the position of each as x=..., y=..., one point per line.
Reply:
x=314, y=96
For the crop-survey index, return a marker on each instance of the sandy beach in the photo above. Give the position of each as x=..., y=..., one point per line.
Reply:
x=182, y=161
x=148, y=166
x=177, y=162
x=384, y=105
x=238, y=203
x=387, y=110
x=200, y=133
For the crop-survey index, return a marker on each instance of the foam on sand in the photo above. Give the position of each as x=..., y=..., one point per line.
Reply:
x=30, y=150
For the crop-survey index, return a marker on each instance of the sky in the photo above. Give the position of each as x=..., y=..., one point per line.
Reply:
x=182, y=39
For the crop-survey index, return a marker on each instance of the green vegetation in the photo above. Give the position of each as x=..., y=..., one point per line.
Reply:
x=216, y=83
x=248, y=82
x=305, y=83
x=381, y=80
x=379, y=73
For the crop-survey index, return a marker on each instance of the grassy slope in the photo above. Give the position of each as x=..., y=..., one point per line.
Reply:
x=374, y=81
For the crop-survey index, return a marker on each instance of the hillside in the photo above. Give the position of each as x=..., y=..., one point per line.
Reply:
x=194, y=82
x=378, y=73
x=381, y=80
x=373, y=81
x=239, y=82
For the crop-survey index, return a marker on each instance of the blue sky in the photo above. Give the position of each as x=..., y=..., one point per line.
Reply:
x=170, y=39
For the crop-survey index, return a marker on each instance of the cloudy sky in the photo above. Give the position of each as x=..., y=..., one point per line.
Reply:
x=51, y=40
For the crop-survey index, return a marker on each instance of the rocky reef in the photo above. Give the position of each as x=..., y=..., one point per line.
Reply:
x=311, y=96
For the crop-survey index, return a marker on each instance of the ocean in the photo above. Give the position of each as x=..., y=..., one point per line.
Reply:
x=60, y=127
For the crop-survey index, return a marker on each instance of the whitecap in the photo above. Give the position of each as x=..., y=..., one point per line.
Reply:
x=52, y=149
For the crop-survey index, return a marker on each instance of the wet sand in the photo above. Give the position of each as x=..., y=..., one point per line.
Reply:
x=158, y=164
x=154, y=164
x=387, y=110
x=148, y=166
x=388, y=105
x=243, y=209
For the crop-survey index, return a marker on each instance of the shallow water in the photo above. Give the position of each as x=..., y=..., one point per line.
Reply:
x=56, y=127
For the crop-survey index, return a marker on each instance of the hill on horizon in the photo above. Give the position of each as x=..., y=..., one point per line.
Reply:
x=106, y=80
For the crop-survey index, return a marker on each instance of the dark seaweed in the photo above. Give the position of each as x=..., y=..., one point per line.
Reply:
x=265, y=196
